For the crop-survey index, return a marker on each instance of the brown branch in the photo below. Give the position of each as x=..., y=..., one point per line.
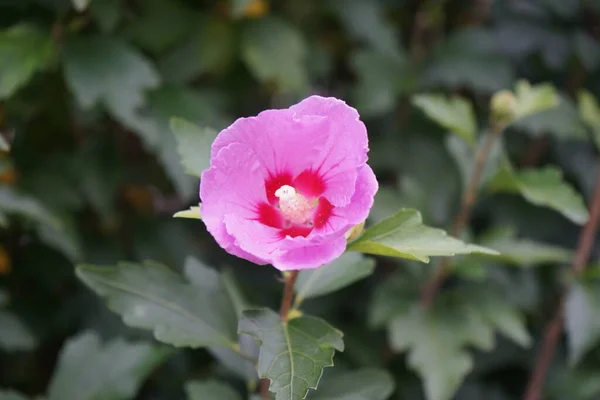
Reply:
x=462, y=219
x=554, y=328
x=288, y=294
x=263, y=389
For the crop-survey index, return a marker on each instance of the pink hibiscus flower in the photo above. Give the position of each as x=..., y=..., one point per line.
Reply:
x=285, y=186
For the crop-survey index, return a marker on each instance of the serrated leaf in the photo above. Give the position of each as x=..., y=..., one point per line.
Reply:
x=293, y=354
x=13, y=202
x=393, y=296
x=378, y=81
x=11, y=395
x=435, y=349
x=453, y=113
x=210, y=389
x=365, y=20
x=14, y=335
x=88, y=370
x=201, y=54
x=193, y=145
x=364, y=384
x=404, y=235
x=561, y=121
x=107, y=70
x=161, y=24
x=276, y=52
x=437, y=338
x=151, y=296
x=343, y=271
x=582, y=320
x=534, y=99
x=589, y=109
x=481, y=73
x=24, y=50
x=543, y=187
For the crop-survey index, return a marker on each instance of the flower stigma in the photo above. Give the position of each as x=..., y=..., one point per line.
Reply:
x=294, y=207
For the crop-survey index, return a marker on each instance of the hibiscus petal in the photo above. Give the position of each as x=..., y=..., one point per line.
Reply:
x=319, y=134
x=344, y=148
x=234, y=184
x=253, y=237
x=343, y=218
x=309, y=253
x=282, y=143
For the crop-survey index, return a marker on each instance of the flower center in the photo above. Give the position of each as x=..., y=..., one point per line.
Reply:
x=294, y=207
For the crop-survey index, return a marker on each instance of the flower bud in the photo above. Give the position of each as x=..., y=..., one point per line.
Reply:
x=503, y=105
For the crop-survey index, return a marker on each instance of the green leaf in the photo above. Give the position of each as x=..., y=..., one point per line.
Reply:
x=534, y=99
x=522, y=251
x=88, y=370
x=364, y=384
x=108, y=71
x=481, y=73
x=543, y=187
x=453, y=113
x=437, y=338
x=12, y=202
x=24, y=50
x=378, y=81
x=107, y=13
x=561, y=121
x=404, y=235
x=365, y=20
x=14, y=335
x=435, y=343
x=193, y=144
x=193, y=213
x=161, y=24
x=344, y=271
x=589, y=109
x=276, y=52
x=293, y=354
x=151, y=296
x=11, y=395
x=210, y=389
x=201, y=54
x=582, y=320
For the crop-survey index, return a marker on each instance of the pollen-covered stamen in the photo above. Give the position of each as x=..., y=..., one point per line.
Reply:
x=294, y=207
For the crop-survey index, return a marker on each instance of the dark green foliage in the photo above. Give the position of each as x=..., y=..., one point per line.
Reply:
x=107, y=112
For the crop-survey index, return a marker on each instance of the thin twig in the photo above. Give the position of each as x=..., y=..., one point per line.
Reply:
x=288, y=294
x=263, y=389
x=554, y=328
x=468, y=199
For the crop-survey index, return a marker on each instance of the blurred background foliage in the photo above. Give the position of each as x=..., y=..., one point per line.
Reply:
x=87, y=88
